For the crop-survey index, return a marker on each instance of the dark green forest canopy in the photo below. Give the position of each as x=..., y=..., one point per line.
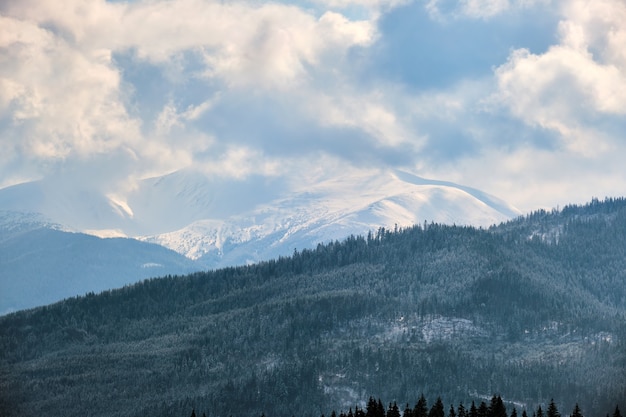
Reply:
x=534, y=309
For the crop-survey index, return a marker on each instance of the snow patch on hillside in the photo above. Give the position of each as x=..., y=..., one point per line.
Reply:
x=445, y=328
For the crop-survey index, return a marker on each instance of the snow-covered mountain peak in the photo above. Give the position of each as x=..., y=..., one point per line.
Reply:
x=332, y=209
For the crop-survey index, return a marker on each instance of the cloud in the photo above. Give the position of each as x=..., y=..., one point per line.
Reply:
x=446, y=10
x=569, y=88
x=503, y=95
x=57, y=102
x=64, y=96
x=274, y=47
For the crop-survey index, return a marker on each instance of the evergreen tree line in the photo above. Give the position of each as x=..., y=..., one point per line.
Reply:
x=495, y=408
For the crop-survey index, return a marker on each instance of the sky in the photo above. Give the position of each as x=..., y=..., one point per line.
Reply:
x=523, y=99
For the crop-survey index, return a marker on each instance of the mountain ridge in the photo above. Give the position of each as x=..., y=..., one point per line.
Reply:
x=223, y=222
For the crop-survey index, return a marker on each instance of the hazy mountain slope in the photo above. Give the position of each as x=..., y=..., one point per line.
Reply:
x=451, y=311
x=40, y=264
x=229, y=221
x=77, y=208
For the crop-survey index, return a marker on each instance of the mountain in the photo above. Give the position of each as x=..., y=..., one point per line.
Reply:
x=533, y=309
x=41, y=262
x=223, y=222
x=331, y=210
x=214, y=222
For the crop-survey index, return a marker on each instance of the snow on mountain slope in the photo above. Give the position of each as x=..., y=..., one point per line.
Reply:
x=329, y=210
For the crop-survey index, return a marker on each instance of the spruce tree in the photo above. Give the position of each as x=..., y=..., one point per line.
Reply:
x=497, y=408
x=552, y=410
x=421, y=408
x=539, y=412
x=576, y=412
x=473, y=411
x=616, y=413
x=461, y=411
x=380, y=409
x=483, y=410
x=393, y=410
x=451, y=413
x=408, y=412
x=370, y=409
x=437, y=410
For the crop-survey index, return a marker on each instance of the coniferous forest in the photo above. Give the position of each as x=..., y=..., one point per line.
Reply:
x=533, y=309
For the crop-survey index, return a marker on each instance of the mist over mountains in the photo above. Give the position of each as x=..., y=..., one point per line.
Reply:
x=210, y=222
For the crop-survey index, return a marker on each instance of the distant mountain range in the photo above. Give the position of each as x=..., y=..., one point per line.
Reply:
x=41, y=263
x=212, y=222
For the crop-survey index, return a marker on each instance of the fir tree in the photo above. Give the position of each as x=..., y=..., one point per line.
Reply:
x=616, y=413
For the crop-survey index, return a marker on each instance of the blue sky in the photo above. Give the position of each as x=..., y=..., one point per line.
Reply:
x=524, y=99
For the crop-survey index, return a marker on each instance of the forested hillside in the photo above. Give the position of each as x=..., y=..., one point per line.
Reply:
x=532, y=309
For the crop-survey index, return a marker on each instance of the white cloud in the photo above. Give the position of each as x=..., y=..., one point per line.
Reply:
x=241, y=42
x=445, y=10
x=483, y=8
x=377, y=113
x=60, y=101
x=274, y=47
x=171, y=117
x=374, y=7
x=62, y=92
x=567, y=88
